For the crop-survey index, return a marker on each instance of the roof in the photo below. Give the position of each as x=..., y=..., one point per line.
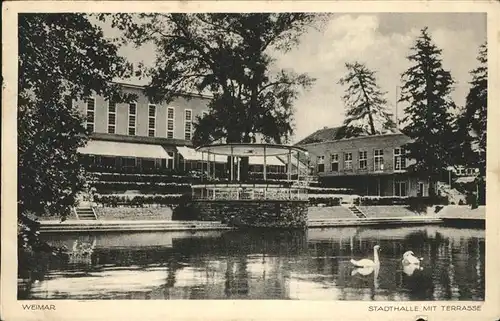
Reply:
x=250, y=149
x=141, y=84
x=327, y=134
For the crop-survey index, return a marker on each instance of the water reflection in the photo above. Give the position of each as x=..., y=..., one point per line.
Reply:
x=313, y=265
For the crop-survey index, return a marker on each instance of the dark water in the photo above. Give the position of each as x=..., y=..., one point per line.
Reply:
x=305, y=265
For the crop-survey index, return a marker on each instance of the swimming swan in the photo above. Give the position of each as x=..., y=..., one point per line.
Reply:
x=368, y=262
x=410, y=258
x=363, y=271
x=409, y=269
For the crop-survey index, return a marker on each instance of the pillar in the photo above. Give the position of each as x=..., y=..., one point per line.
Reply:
x=208, y=164
x=265, y=164
x=232, y=164
x=238, y=173
x=298, y=166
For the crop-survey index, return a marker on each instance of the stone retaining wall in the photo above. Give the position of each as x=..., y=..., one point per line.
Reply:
x=134, y=213
x=275, y=214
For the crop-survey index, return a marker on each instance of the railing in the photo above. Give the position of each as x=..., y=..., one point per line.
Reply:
x=248, y=192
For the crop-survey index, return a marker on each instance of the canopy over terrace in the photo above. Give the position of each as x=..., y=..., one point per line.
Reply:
x=253, y=150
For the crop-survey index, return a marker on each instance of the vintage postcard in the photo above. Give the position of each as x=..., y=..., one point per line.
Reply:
x=260, y=160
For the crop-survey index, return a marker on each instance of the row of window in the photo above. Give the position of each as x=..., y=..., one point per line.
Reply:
x=465, y=171
x=132, y=162
x=132, y=119
x=378, y=161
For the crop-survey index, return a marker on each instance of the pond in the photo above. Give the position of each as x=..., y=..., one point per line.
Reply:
x=265, y=264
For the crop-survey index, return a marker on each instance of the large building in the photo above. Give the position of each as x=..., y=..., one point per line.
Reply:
x=372, y=165
x=144, y=136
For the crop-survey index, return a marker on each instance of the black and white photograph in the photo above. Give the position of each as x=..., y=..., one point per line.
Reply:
x=253, y=155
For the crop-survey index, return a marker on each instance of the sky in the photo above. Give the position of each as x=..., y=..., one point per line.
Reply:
x=382, y=41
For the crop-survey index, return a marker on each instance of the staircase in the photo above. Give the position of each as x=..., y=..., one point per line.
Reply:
x=356, y=211
x=85, y=213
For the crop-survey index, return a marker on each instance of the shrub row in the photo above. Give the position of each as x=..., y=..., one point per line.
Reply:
x=260, y=176
x=144, y=178
x=328, y=201
x=154, y=188
x=135, y=170
x=368, y=200
x=326, y=190
x=140, y=200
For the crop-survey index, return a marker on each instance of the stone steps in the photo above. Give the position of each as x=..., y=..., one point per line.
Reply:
x=86, y=213
x=356, y=211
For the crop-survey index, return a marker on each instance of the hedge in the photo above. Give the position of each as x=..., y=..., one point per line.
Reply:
x=113, y=200
x=143, y=188
x=328, y=201
x=412, y=201
x=144, y=178
x=326, y=190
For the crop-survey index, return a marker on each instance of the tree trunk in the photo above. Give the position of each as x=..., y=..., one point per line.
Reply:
x=432, y=190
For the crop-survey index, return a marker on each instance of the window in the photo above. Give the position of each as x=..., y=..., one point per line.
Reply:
x=188, y=124
x=399, y=159
x=335, y=162
x=128, y=162
x=111, y=117
x=420, y=191
x=170, y=122
x=90, y=114
x=151, y=120
x=321, y=164
x=400, y=188
x=132, y=118
x=379, y=159
x=170, y=160
x=148, y=163
x=363, y=160
x=108, y=161
x=348, y=161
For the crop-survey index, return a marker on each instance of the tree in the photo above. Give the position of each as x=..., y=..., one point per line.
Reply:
x=366, y=106
x=61, y=57
x=230, y=56
x=476, y=108
x=428, y=119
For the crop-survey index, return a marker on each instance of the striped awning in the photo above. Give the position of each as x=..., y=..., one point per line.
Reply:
x=122, y=149
x=270, y=160
x=191, y=154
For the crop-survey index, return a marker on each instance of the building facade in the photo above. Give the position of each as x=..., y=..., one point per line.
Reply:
x=145, y=136
x=372, y=165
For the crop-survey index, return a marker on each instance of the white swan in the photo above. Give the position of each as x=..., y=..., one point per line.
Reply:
x=409, y=269
x=363, y=271
x=367, y=262
x=410, y=258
